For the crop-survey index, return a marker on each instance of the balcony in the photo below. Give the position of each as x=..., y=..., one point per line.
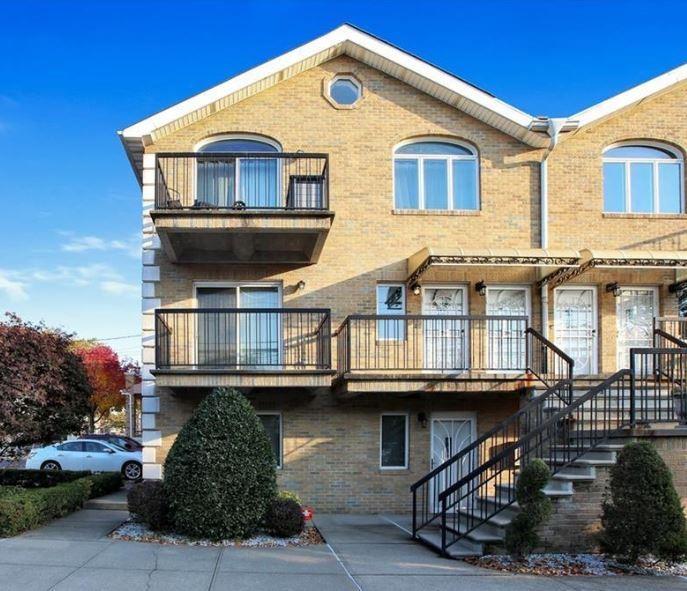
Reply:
x=242, y=207
x=243, y=348
x=431, y=353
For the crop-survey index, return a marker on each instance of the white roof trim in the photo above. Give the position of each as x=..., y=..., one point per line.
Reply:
x=344, y=34
x=630, y=97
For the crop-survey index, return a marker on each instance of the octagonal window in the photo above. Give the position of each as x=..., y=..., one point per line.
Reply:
x=345, y=90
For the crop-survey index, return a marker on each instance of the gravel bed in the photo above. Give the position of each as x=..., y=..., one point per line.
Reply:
x=577, y=564
x=133, y=531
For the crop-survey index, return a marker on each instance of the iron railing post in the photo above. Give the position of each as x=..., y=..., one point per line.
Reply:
x=633, y=390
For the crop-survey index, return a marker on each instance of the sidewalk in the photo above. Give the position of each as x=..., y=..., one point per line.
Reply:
x=369, y=553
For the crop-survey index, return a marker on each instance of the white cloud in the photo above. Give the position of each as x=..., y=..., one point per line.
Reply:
x=75, y=243
x=120, y=288
x=15, y=290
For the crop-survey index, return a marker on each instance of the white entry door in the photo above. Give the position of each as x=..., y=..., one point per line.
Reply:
x=445, y=339
x=635, y=311
x=575, y=322
x=450, y=434
x=506, y=338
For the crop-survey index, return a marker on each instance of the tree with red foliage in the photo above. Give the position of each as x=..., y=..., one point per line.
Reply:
x=107, y=376
x=44, y=390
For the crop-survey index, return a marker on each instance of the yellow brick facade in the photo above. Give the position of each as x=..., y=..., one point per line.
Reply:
x=331, y=448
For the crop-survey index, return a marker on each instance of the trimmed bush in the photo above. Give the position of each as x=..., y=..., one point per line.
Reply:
x=147, y=503
x=220, y=473
x=287, y=494
x=38, y=478
x=105, y=483
x=643, y=514
x=284, y=518
x=23, y=509
x=535, y=508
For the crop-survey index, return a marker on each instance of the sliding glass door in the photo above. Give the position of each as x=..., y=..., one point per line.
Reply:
x=237, y=327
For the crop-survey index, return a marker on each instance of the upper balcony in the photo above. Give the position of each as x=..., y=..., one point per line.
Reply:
x=242, y=207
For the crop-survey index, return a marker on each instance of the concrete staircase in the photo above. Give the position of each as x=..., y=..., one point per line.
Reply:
x=489, y=536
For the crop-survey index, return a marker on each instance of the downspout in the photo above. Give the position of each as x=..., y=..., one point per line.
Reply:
x=554, y=129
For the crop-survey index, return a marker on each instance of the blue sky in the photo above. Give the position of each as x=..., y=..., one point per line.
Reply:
x=72, y=73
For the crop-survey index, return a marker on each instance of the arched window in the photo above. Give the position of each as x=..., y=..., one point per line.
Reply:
x=435, y=174
x=225, y=177
x=642, y=178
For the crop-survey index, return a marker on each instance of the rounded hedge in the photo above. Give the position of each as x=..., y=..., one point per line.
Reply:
x=147, y=502
x=643, y=514
x=220, y=473
x=284, y=517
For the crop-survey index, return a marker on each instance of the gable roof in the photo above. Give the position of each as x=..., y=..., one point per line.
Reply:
x=360, y=45
x=629, y=98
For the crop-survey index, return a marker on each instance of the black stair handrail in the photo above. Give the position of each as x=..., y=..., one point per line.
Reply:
x=671, y=338
x=505, y=428
x=547, y=361
x=540, y=442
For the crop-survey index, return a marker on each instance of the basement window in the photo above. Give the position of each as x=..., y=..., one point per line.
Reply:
x=393, y=453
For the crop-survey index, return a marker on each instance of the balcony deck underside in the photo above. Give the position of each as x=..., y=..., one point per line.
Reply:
x=242, y=379
x=243, y=237
x=353, y=384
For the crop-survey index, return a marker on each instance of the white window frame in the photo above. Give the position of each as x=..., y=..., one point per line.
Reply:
x=657, y=312
x=406, y=435
x=280, y=459
x=237, y=166
x=404, y=300
x=449, y=158
x=348, y=78
x=237, y=285
x=655, y=177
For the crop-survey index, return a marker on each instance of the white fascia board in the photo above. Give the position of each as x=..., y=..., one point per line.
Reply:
x=630, y=97
x=340, y=35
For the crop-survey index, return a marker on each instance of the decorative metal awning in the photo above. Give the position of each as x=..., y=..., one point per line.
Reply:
x=423, y=260
x=617, y=259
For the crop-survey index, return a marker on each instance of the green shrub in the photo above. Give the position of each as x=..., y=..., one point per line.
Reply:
x=284, y=518
x=147, y=503
x=23, y=509
x=220, y=474
x=105, y=483
x=535, y=508
x=643, y=514
x=38, y=478
x=287, y=494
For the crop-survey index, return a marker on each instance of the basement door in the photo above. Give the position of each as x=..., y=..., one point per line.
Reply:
x=445, y=338
x=450, y=433
x=575, y=322
x=635, y=311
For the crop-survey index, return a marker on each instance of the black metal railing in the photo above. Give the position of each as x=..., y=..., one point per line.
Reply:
x=271, y=181
x=675, y=326
x=568, y=433
x=427, y=491
x=659, y=376
x=284, y=339
x=432, y=343
x=478, y=482
x=548, y=362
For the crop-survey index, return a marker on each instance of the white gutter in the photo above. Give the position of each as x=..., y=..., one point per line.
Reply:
x=555, y=126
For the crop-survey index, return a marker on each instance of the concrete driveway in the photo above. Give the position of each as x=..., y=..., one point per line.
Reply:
x=363, y=553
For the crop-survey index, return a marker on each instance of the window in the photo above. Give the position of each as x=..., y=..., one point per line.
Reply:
x=345, y=90
x=224, y=179
x=435, y=175
x=272, y=424
x=71, y=446
x=391, y=300
x=93, y=447
x=393, y=452
x=642, y=179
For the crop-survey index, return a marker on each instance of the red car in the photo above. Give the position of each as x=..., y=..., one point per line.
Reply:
x=122, y=441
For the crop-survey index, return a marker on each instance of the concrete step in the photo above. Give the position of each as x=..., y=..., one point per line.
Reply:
x=494, y=503
x=583, y=472
x=593, y=454
x=461, y=549
x=552, y=489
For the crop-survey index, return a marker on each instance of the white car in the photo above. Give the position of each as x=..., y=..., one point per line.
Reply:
x=87, y=454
